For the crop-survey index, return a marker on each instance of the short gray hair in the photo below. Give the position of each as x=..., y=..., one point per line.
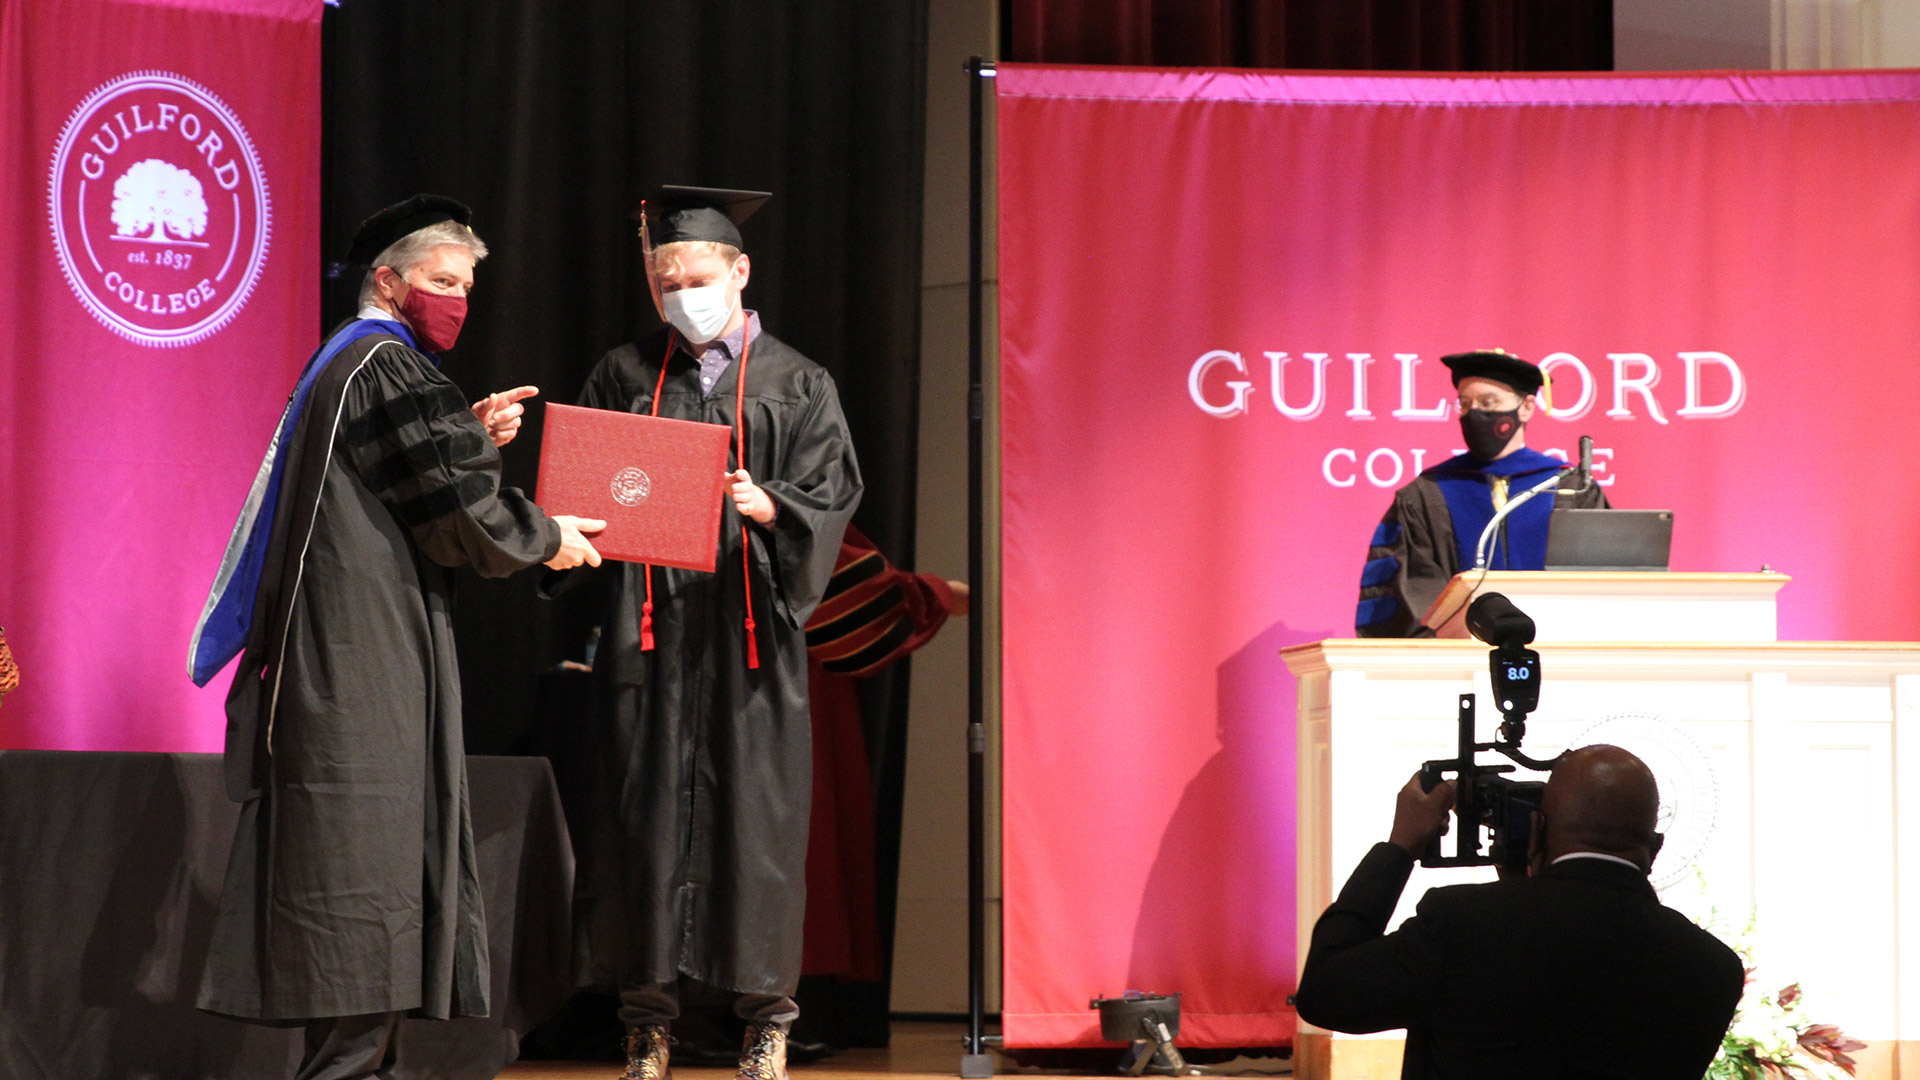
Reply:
x=412, y=249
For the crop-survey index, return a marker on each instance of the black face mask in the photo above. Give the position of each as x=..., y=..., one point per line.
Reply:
x=1487, y=433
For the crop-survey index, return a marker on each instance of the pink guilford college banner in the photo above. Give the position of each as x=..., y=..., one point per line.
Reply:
x=1223, y=296
x=157, y=295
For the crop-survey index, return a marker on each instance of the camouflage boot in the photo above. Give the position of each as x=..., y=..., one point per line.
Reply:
x=764, y=1055
x=647, y=1053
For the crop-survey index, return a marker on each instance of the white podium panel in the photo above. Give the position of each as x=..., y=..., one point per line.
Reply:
x=1779, y=767
x=1623, y=606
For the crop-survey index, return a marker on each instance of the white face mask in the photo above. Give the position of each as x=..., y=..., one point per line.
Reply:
x=699, y=314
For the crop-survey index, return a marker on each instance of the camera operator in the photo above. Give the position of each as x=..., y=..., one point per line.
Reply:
x=1575, y=970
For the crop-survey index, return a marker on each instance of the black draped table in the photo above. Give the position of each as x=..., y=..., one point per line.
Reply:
x=110, y=870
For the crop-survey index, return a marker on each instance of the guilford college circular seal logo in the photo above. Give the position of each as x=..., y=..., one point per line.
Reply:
x=631, y=486
x=160, y=212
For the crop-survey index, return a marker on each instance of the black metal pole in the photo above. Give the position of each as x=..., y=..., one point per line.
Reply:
x=974, y=1060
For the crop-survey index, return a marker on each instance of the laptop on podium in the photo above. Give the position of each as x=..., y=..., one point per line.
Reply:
x=1609, y=540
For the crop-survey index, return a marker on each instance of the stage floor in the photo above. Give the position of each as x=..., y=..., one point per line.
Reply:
x=919, y=1048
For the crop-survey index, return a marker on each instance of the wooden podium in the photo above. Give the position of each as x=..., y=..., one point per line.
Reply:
x=1779, y=765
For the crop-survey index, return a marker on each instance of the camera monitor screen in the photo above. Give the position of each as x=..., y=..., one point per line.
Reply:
x=1609, y=539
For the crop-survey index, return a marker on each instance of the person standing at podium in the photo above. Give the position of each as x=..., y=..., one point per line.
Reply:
x=1428, y=534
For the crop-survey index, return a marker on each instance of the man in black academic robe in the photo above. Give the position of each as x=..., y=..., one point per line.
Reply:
x=351, y=894
x=693, y=859
x=1430, y=531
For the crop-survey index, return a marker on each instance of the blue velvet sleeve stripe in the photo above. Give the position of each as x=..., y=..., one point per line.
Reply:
x=1386, y=534
x=1377, y=610
x=1379, y=571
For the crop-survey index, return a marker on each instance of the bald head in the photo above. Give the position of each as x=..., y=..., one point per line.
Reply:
x=1601, y=798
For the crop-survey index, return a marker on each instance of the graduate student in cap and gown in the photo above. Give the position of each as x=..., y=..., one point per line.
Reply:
x=351, y=896
x=694, y=860
x=1428, y=534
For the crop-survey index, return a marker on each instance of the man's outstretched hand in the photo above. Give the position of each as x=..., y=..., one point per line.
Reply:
x=500, y=413
x=575, y=548
x=1419, y=817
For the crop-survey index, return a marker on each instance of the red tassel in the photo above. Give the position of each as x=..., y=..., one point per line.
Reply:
x=646, y=612
x=740, y=441
x=746, y=581
x=646, y=609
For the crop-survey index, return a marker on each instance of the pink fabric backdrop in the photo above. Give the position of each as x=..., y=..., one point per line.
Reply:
x=158, y=292
x=1168, y=238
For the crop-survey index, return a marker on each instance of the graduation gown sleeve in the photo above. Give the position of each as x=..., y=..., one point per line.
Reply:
x=416, y=445
x=814, y=500
x=874, y=612
x=1409, y=560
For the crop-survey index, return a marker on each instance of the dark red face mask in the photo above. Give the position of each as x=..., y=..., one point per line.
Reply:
x=435, y=317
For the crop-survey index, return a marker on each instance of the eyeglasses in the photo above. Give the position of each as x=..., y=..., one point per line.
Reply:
x=1487, y=403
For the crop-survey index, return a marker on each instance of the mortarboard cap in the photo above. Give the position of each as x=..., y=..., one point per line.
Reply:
x=675, y=213
x=386, y=228
x=1498, y=365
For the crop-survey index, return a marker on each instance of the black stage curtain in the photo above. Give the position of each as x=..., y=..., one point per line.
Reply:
x=552, y=118
x=1355, y=35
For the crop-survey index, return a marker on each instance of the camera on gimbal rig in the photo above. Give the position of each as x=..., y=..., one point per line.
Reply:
x=1485, y=797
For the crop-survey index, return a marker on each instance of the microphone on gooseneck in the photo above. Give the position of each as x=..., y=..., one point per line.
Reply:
x=1586, y=462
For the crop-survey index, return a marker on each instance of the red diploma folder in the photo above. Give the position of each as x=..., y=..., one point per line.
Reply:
x=657, y=483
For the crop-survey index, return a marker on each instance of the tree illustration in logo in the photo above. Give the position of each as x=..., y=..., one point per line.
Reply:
x=160, y=196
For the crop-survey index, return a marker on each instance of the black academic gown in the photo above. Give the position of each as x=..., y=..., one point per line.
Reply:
x=694, y=855
x=351, y=887
x=1416, y=537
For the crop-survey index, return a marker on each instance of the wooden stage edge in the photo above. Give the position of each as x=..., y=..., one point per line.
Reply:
x=928, y=1049
x=1316, y=1055
x=920, y=1048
